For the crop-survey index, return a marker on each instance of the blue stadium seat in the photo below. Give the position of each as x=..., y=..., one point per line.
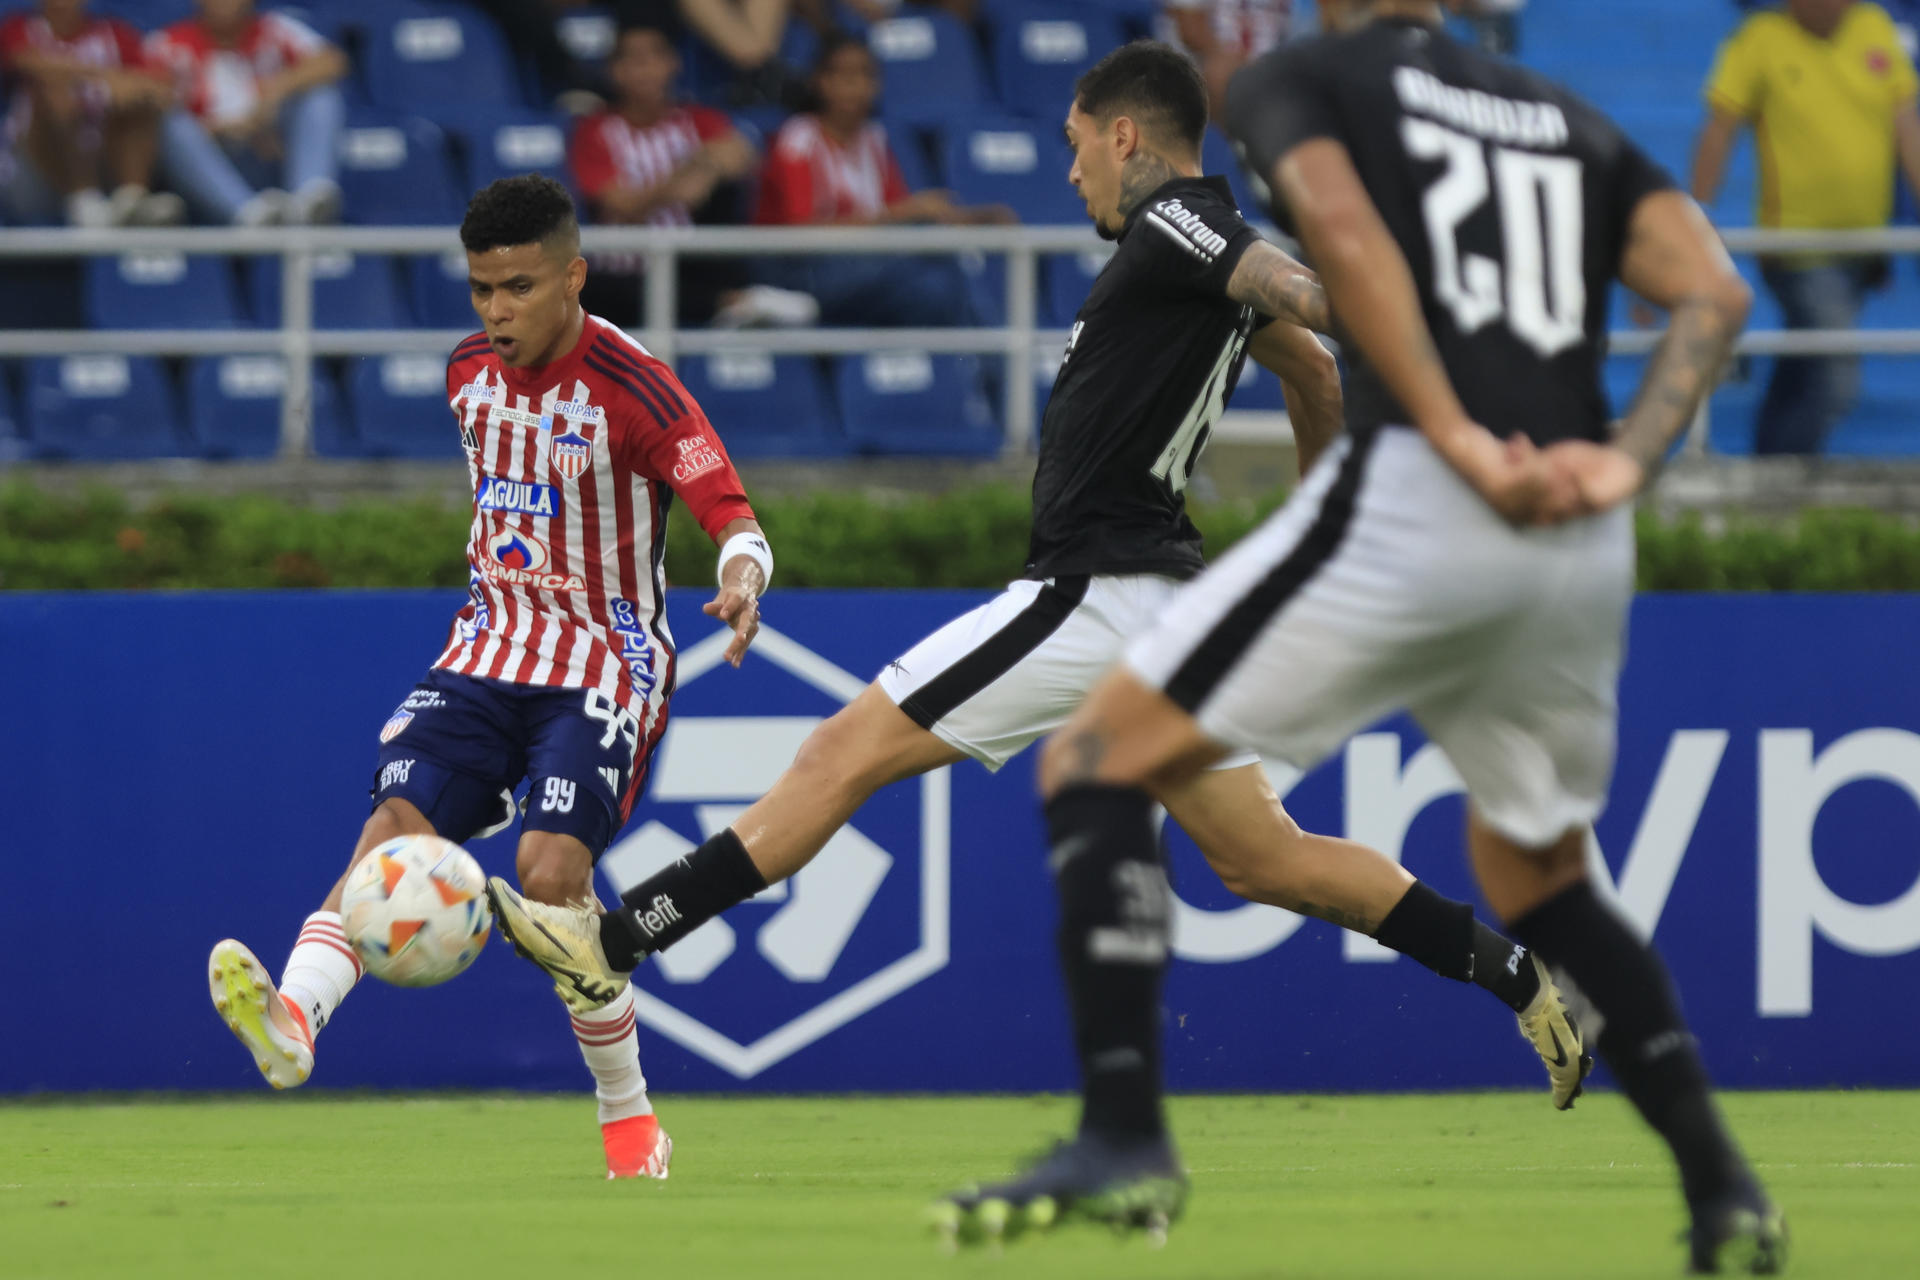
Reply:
x=766, y=406
x=502, y=142
x=1016, y=163
x=437, y=287
x=397, y=170
x=162, y=290
x=14, y=446
x=929, y=65
x=148, y=15
x=233, y=405
x=101, y=407
x=1216, y=157
x=910, y=402
x=1258, y=390
x=400, y=408
x=1064, y=282
x=1039, y=54
x=430, y=57
x=350, y=291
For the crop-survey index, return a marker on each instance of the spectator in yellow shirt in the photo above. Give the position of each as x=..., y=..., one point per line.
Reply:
x=1830, y=93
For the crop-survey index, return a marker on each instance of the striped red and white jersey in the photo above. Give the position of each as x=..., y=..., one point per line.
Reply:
x=574, y=466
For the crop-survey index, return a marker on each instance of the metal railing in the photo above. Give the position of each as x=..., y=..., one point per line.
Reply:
x=298, y=343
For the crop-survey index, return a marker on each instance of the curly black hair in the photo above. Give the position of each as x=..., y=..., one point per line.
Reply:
x=529, y=209
x=1154, y=83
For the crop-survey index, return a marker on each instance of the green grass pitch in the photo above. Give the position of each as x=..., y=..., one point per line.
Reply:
x=1468, y=1185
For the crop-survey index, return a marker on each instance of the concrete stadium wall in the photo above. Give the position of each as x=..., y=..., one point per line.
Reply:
x=178, y=768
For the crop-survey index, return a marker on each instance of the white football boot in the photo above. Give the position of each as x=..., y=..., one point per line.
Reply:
x=565, y=941
x=246, y=999
x=1556, y=1038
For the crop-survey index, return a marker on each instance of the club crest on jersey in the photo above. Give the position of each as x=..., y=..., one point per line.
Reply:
x=516, y=559
x=571, y=453
x=497, y=494
x=396, y=722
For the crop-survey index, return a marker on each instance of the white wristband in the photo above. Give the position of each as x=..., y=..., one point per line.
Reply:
x=753, y=547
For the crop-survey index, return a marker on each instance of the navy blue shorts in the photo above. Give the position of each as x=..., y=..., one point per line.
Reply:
x=458, y=747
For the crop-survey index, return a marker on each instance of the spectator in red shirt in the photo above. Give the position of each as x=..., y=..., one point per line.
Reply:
x=834, y=167
x=260, y=115
x=85, y=108
x=650, y=160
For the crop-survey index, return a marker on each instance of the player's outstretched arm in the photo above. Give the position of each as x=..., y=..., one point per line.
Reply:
x=1310, y=380
x=1673, y=259
x=1271, y=282
x=1370, y=287
x=746, y=565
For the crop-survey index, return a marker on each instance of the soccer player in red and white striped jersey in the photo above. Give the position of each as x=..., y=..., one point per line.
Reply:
x=559, y=669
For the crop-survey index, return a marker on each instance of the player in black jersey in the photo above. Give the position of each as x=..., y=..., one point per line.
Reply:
x=1466, y=551
x=1190, y=291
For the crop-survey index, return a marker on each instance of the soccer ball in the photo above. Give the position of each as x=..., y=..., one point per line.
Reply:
x=416, y=910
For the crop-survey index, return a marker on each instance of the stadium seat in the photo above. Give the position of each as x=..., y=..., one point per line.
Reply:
x=400, y=407
x=1258, y=390
x=14, y=446
x=1216, y=157
x=766, y=406
x=1016, y=163
x=233, y=405
x=430, y=57
x=913, y=403
x=162, y=290
x=929, y=66
x=437, y=287
x=397, y=170
x=501, y=142
x=148, y=15
x=99, y=407
x=1065, y=279
x=1038, y=55
x=350, y=291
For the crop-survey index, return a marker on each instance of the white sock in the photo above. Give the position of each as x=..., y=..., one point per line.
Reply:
x=321, y=970
x=611, y=1045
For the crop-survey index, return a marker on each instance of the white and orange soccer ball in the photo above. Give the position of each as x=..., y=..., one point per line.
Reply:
x=415, y=909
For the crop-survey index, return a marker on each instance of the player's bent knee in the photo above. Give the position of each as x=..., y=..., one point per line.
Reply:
x=390, y=820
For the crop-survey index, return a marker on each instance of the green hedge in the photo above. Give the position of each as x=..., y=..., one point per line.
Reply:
x=975, y=538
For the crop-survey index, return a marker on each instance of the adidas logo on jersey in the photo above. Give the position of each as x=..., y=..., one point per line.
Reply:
x=518, y=496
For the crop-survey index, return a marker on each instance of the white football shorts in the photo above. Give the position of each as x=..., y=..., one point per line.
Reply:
x=1387, y=583
x=992, y=681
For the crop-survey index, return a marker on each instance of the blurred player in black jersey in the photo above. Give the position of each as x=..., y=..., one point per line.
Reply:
x=1155, y=352
x=1466, y=551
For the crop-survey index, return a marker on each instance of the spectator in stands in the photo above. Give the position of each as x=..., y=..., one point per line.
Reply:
x=651, y=161
x=747, y=35
x=1830, y=93
x=85, y=109
x=1223, y=36
x=260, y=115
x=833, y=166
x=532, y=30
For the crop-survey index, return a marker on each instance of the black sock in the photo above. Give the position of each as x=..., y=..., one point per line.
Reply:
x=1645, y=1040
x=1444, y=936
x=1115, y=933
x=676, y=900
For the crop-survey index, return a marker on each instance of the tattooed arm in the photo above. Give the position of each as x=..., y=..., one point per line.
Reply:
x=1272, y=283
x=1673, y=259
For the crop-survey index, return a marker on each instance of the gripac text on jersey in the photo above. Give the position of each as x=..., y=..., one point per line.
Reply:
x=1538, y=125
